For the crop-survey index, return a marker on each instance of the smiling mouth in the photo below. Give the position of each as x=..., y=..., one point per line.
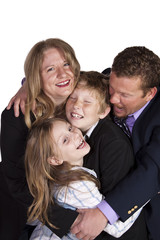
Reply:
x=82, y=144
x=118, y=109
x=63, y=84
x=76, y=116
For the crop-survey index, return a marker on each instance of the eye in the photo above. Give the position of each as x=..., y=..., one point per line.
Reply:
x=125, y=95
x=64, y=140
x=72, y=98
x=50, y=69
x=66, y=64
x=88, y=102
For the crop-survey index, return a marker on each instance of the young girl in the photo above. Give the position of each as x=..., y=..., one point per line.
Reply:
x=54, y=160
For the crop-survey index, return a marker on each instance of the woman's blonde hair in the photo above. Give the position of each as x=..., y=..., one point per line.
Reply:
x=32, y=69
x=41, y=176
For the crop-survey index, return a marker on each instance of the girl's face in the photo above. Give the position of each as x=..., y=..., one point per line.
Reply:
x=57, y=77
x=69, y=143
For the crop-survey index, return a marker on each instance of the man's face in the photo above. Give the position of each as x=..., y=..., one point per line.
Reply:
x=126, y=95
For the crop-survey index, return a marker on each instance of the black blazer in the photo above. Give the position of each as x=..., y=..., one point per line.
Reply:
x=13, y=185
x=143, y=183
x=111, y=156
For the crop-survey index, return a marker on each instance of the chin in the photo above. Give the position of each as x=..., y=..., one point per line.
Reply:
x=119, y=115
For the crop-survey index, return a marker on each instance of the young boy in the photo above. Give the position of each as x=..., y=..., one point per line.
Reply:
x=111, y=154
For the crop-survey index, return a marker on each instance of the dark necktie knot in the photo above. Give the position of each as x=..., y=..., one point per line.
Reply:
x=130, y=122
x=122, y=123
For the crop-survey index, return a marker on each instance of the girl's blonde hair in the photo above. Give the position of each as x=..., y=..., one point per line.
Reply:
x=32, y=69
x=41, y=176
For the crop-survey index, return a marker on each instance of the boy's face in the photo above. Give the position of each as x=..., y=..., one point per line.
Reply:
x=82, y=109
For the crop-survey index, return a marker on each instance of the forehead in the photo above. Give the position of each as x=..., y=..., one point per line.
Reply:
x=125, y=83
x=59, y=128
x=54, y=54
x=86, y=90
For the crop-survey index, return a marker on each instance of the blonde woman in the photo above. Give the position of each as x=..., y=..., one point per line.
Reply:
x=51, y=71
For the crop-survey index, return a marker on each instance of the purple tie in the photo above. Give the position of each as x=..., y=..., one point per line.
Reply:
x=130, y=122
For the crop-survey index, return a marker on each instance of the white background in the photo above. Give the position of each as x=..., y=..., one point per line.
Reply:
x=96, y=29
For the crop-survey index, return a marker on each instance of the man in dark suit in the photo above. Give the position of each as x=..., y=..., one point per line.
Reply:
x=134, y=94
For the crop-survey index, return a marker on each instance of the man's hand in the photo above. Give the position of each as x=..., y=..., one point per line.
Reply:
x=19, y=100
x=92, y=224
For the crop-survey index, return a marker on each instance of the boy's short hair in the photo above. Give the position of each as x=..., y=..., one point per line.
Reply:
x=98, y=83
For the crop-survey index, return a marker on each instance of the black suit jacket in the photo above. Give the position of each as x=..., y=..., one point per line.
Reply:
x=13, y=185
x=111, y=156
x=143, y=184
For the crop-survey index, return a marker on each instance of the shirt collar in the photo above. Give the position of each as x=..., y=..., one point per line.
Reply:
x=137, y=113
x=89, y=132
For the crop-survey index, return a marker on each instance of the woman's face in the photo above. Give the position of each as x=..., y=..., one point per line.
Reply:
x=57, y=77
x=69, y=143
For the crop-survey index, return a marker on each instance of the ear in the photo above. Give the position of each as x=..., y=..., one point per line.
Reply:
x=151, y=93
x=54, y=161
x=105, y=113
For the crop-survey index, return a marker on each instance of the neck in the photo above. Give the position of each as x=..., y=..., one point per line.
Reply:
x=59, y=101
x=80, y=162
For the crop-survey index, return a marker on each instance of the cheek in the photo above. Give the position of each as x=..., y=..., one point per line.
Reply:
x=72, y=87
x=126, y=101
x=91, y=110
x=64, y=153
x=69, y=105
x=130, y=105
x=71, y=73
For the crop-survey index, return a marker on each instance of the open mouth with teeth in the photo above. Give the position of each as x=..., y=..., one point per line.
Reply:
x=63, y=84
x=118, y=109
x=82, y=144
x=76, y=116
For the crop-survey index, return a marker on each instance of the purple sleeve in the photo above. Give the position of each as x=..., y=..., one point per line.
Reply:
x=106, y=209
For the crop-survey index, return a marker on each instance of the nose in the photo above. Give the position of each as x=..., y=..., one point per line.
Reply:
x=77, y=104
x=114, y=98
x=61, y=72
x=75, y=135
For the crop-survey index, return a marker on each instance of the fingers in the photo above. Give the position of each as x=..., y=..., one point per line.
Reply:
x=92, y=224
x=11, y=102
x=22, y=106
x=84, y=237
x=16, y=102
x=88, y=238
x=19, y=101
x=81, y=210
x=16, y=107
x=81, y=235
